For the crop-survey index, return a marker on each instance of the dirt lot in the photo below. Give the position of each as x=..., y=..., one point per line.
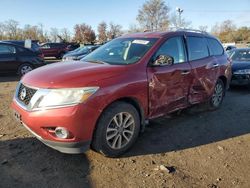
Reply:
x=205, y=149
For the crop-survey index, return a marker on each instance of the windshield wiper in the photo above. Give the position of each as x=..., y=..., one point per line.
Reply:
x=96, y=61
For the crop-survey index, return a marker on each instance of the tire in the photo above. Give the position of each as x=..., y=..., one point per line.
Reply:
x=24, y=68
x=60, y=56
x=112, y=139
x=218, y=95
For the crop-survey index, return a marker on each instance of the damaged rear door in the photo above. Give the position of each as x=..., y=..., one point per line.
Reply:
x=169, y=84
x=204, y=68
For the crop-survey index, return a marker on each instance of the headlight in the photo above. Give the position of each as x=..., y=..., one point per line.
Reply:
x=52, y=98
x=244, y=71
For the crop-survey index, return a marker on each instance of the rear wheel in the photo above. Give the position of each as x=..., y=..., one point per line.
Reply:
x=117, y=129
x=218, y=95
x=24, y=68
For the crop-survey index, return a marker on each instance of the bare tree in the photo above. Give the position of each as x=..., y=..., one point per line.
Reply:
x=102, y=32
x=53, y=35
x=30, y=32
x=115, y=30
x=203, y=28
x=12, y=30
x=84, y=33
x=133, y=28
x=2, y=31
x=154, y=15
x=179, y=22
x=65, y=35
x=226, y=31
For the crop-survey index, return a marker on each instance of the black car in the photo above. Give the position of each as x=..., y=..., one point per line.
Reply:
x=34, y=44
x=240, y=66
x=17, y=59
x=80, y=52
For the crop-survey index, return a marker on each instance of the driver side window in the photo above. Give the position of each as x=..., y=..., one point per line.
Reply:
x=173, y=47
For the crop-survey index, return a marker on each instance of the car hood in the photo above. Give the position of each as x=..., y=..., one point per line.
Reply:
x=71, y=74
x=240, y=65
x=74, y=54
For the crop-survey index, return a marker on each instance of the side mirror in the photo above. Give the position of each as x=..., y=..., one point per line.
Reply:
x=162, y=60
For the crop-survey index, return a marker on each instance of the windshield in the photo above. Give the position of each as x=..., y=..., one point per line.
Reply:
x=121, y=51
x=241, y=55
x=82, y=49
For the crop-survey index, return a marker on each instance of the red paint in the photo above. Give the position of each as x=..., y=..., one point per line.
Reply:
x=158, y=90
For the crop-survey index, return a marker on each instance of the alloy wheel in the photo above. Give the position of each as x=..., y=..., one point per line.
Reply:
x=120, y=130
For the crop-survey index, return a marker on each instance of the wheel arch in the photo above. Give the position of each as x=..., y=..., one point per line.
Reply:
x=224, y=80
x=135, y=103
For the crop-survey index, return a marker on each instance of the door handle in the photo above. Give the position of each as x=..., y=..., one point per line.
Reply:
x=215, y=65
x=185, y=72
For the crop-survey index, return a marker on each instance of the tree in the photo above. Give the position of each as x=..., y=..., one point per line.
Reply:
x=30, y=32
x=84, y=33
x=53, y=35
x=65, y=35
x=226, y=31
x=102, y=32
x=203, y=28
x=153, y=15
x=133, y=28
x=115, y=30
x=2, y=31
x=179, y=22
x=12, y=31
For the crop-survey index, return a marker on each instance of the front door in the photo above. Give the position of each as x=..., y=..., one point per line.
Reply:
x=169, y=84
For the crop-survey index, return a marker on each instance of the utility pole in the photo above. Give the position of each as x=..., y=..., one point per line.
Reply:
x=179, y=11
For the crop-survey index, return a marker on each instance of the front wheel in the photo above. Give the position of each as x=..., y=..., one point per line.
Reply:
x=218, y=95
x=117, y=129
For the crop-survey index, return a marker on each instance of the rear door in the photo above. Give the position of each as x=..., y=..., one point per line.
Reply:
x=169, y=84
x=204, y=68
x=8, y=58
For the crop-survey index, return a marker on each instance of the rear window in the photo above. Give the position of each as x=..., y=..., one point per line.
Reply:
x=197, y=48
x=215, y=47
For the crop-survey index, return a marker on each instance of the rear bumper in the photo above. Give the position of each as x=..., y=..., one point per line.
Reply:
x=240, y=79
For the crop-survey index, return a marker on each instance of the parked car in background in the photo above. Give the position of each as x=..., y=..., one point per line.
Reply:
x=105, y=100
x=17, y=59
x=34, y=44
x=230, y=47
x=79, y=53
x=72, y=46
x=54, y=49
x=240, y=66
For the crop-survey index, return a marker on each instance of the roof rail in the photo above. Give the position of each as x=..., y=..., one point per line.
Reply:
x=185, y=29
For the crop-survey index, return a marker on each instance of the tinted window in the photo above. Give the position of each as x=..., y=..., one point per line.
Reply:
x=173, y=47
x=6, y=49
x=215, y=47
x=197, y=48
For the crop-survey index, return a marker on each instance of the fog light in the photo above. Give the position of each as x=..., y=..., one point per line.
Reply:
x=61, y=132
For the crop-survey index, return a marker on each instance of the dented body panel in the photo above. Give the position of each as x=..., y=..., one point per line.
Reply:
x=154, y=90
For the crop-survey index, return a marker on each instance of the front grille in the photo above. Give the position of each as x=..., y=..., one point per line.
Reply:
x=25, y=94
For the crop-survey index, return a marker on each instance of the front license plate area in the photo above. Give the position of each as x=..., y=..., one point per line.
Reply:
x=18, y=116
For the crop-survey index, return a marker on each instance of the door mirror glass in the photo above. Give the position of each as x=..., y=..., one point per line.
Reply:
x=162, y=60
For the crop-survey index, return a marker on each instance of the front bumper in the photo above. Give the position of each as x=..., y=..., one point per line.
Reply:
x=240, y=79
x=79, y=120
x=68, y=147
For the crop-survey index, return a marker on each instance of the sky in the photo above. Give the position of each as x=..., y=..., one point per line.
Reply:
x=65, y=14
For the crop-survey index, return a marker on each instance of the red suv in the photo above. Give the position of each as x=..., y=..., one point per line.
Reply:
x=105, y=100
x=54, y=49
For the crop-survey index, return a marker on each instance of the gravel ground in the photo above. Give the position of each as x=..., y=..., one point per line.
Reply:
x=192, y=149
